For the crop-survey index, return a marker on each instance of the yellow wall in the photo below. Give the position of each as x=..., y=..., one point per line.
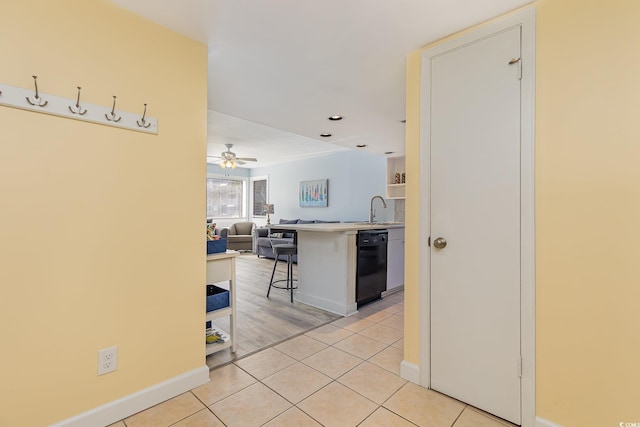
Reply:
x=411, y=216
x=587, y=213
x=101, y=235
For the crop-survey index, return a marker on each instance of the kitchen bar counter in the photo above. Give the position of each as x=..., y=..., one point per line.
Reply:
x=327, y=263
x=334, y=227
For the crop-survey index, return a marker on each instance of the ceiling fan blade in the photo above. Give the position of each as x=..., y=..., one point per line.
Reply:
x=240, y=162
x=247, y=159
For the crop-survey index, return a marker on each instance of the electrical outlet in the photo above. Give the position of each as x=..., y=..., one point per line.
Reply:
x=107, y=360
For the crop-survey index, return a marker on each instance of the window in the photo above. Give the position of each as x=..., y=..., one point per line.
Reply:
x=225, y=198
x=258, y=196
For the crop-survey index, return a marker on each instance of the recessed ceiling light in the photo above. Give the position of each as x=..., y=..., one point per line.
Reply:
x=389, y=152
x=335, y=117
x=325, y=135
x=361, y=145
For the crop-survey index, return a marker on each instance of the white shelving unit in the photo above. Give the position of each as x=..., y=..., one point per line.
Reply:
x=222, y=268
x=395, y=165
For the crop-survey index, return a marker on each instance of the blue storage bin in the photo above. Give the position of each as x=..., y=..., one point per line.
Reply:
x=217, y=298
x=216, y=246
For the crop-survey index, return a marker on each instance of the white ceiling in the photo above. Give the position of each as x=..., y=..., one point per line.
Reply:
x=279, y=68
x=270, y=146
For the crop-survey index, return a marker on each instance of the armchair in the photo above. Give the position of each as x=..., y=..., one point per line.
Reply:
x=239, y=236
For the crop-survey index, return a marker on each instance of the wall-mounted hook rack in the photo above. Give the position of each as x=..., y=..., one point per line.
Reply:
x=142, y=122
x=12, y=96
x=35, y=99
x=112, y=115
x=77, y=109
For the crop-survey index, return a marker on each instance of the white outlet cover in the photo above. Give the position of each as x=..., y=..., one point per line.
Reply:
x=107, y=360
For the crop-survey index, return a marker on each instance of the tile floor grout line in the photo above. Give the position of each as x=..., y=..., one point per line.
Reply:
x=217, y=417
x=362, y=361
x=190, y=415
x=197, y=398
x=323, y=387
x=459, y=415
x=395, y=413
x=207, y=407
x=307, y=414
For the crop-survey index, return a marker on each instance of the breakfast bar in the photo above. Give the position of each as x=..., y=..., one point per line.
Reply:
x=327, y=254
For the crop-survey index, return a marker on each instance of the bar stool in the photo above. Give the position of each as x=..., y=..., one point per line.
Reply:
x=289, y=250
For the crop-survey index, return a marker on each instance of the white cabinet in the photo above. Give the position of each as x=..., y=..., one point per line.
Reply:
x=395, y=258
x=221, y=267
x=395, y=177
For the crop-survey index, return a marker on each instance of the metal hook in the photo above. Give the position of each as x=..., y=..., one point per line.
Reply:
x=77, y=109
x=142, y=121
x=112, y=115
x=36, y=100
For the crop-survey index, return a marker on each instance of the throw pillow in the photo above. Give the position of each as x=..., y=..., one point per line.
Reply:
x=211, y=228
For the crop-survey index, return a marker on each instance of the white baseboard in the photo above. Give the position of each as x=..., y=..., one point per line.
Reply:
x=326, y=305
x=410, y=372
x=392, y=291
x=541, y=422
x=138, y=401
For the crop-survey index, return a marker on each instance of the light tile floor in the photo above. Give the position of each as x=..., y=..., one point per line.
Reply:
x=343, y=374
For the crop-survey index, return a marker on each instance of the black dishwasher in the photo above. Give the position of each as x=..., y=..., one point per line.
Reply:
x=371, y=269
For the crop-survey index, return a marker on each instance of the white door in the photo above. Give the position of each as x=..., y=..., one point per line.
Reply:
x=475, y=207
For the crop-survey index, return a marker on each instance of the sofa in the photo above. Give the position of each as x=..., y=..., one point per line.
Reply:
x=262, y=243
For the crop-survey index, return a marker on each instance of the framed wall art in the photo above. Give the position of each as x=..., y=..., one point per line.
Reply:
x=314, y=194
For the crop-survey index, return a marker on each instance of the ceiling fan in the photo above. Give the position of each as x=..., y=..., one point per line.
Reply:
x=229, y=159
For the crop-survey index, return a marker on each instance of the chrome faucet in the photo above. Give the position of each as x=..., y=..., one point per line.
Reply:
x=372, y=213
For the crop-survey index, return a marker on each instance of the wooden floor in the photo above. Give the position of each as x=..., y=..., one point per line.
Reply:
x=263, y=322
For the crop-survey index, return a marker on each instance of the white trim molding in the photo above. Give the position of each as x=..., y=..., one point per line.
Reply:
x=124, y=407
x=525, y=19
x=541, y=422
x=410, y=372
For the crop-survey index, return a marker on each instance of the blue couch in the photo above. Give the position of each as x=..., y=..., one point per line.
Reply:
x=262, y=244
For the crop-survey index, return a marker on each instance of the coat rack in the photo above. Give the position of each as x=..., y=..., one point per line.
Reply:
x=34, y=100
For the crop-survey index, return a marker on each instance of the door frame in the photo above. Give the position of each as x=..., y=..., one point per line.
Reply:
x=526, y=20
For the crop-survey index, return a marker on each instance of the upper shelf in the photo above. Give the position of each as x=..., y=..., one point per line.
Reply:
x=395, y=173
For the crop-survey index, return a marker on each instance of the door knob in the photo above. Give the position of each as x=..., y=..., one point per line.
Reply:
x=440, y=243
